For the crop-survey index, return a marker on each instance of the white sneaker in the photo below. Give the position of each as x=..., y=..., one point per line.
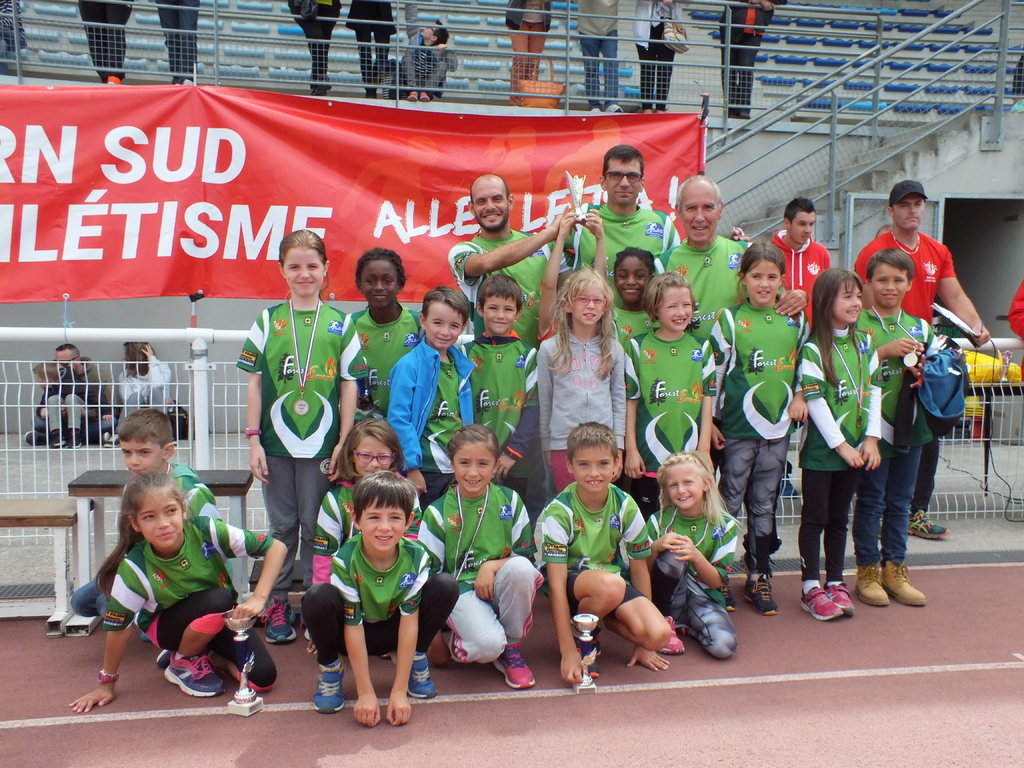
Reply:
x=613, y=108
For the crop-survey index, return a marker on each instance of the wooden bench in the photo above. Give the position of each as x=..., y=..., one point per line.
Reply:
x=91, y=488
x=60, y=515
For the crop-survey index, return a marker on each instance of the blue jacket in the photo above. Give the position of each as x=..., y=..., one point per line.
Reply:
x=413, y=389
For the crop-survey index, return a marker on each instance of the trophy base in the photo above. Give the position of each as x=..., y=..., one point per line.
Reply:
x=585, y=687
x=235, y=708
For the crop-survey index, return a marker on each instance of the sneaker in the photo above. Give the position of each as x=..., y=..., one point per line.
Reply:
x=841, y=598
x=57, y=440
x=924, y=528
x=107, y=440
x=414, y=96
x=424, y=96
x=278, y=618
x=595, y=109
x=613, y=108
x=34, y=438
x=759, y=593
x=194, y=675
x=674, y=646
x=420, y=684
x=112, y=80
x=869, y=588
x=512, y=664
x=730, y=601
x=820, y=605
x=1018, y=107
x=163, y=659
x=895, y=582
x=328, y=697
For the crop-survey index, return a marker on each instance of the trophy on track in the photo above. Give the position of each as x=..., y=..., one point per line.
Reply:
x=585, y=623
x=245, y=701
x=576, y=184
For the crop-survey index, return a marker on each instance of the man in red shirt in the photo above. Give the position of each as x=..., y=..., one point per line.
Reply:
x=805, y=259
x=1016, y=315
x=933, y=276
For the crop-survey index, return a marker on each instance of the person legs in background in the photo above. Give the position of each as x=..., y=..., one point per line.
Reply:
x=528, y=43
x=655, y=72
x=104, y=29
x=179, y=20
x=374, y=25
x=318, y=33
x=920, y=524
x=740, y=81
x=601, y=99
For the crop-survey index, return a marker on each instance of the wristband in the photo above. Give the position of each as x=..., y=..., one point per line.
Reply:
x=513, y=454
x=251, y=433
x=104, y=678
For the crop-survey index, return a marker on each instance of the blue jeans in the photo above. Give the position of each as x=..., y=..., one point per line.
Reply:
x=884, y=494
x=593, y=48
x=179, y=20
x=89, y=600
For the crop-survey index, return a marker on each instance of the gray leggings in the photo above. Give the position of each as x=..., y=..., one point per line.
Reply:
x=677, y=594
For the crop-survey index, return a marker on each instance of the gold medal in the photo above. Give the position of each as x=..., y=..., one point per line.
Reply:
x=301, y=407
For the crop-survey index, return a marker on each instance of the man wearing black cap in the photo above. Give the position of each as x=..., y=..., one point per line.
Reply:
x=933, y=276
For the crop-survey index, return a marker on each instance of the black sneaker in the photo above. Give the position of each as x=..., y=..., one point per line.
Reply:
x=759, y=593
x=730, y=601
x=58, y=440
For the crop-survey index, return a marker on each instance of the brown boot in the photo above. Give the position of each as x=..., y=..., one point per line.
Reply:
x=896, y=583
x=868, y=588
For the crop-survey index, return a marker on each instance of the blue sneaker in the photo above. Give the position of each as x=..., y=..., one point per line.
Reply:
x=420, y=684
x=194, y=675
x=163, y=659
x=279, y=618
x=328, y=697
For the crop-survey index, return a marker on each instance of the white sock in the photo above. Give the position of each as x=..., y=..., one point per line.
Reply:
x=832, y=583
x=810, y=584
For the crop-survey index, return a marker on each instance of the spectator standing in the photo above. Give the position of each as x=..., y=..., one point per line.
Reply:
x=318, y=31
x=179, y=20
x=748, y=22
x=655, y=57
x=600, y=38
x=528, y=21
x=12, y=35
x=105, y=21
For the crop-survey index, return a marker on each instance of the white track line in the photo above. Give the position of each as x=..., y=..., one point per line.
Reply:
x=548, y=693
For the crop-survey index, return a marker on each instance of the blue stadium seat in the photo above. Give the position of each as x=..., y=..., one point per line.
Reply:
x=778, y=81
x=901, y=87
x=53, y=9
x=919, y=12
x=825, y=61
x=254, y=5
x=811, y=23
x=978, y=90
x=250, y=28
x=794, y=60
x=950, y=109
x=979, y=69
x=837, y=42
x=857, y=85
x=910, y=29
x=706, y=16
x=899, y=66
x=943, y=89
x=290, y=29
x=844, y=24
x=938, y=66
x=800, y=40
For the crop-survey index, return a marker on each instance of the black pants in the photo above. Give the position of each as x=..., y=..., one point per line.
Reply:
x=925, y=485
x=323, y=614
x=372, y=58
x=742, y=52
x=175, y=620
x=106, y=43
x=318, y=33
x=826, y=509
x=655, y=71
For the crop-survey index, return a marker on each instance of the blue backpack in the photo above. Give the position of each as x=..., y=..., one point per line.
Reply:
x=943, y=390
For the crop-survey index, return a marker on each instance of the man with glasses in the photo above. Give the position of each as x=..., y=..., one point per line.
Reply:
x=626, y=224
x=75, y=409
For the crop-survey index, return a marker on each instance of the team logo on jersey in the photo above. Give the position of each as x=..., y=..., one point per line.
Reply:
x=718, y=533
x=615, y=522
x=476, y=360
x=538, y=252
x=407, y=580
x=555, y=550
x=280, y=324
x=159, y=577
x=335, y=327
x=499, y=357
x=916, y=332
x=843, y=391
x=734, y=261
x=654, y=229
x=247, y=358
x=793, y=322
x=387, y=336
x=455, y=522
x=411, y=340
x=863, y=345
x=350, y=611
x=744, y=324
x=320, y=542
x=813, y=269
x=930, y=269
x=185, y=563
x=460, y=261
x=364, y=338
x=627, y=329
x=638, y=546
x=484, y=403
x=649, y=356
x=697, y=355
x=208, y=549
x=505, y=513
x=114, y=618
x=521, y=361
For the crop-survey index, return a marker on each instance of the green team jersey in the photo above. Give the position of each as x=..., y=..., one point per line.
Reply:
x=646, y=229
x=383, y=346
x=855, y=364
x=756, y=350
x=199, y=499
x=504, y=383
x=604, y=541
x=669, y=379
x=528, y=273
x=713, y=273
x=146, y=584
x=372, y=595
x=889, y=377
x=629, y=324
x=716, y=543
x=270, y=351
x=335, y=522
x=460, y=540
x=442, y=421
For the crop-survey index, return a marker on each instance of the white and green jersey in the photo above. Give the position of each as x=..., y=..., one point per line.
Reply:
x=669, y=380
x=889, y=377
x=461, y=537
x=603, y=541
x=504, y=384
x=629, y=324
x=646, y=229
x=371, y=595
x=199, y=499
x=855, y=365
x=716, y=542
x=714, y=275
x=146, y=584
x=335, y=523
x=756, y=352
x=383, y=346
x=270, y=351
x=528, y=273
x=442, y=421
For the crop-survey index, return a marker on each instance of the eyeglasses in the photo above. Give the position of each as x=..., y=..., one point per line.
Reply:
x=597, y=301
x=616, y=176
x=384, y=459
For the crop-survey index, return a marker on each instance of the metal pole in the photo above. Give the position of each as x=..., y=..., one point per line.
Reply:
x=992, y=127
x=568, y=42
x=216, y=43
x=726, y=58
x=833, y=129
x=879, y=41
x=200, y=366
x=15, y=19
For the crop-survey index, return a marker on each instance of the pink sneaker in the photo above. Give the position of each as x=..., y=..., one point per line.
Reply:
x=820, y=605
x=841, y=597
x=512, y=664
x=413, y=96
x=674, y=646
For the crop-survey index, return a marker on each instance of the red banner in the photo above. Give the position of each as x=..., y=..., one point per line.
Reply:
x=163, y=190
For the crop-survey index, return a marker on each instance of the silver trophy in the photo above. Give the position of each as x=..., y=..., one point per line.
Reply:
x=245, y=701
x=584, y=624
x=576, y=184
